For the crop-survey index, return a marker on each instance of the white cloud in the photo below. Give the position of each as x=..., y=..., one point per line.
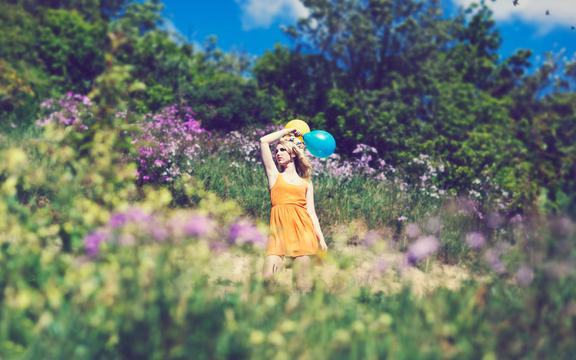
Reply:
x=262, y=13
x=562, y=12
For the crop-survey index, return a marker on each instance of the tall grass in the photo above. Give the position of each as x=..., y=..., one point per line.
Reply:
x=14, y=136
x=374, y=205
x=337, y=201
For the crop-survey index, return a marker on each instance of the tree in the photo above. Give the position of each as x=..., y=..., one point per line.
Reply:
x=302, y=80
x=71, y=49
x=398, y=76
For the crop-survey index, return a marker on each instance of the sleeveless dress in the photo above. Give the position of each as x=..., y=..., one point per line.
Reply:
x=291, y=228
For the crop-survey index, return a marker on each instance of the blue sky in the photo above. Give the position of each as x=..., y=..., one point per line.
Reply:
x=253, y=26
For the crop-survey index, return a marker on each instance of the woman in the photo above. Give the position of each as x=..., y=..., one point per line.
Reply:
x=294, y=228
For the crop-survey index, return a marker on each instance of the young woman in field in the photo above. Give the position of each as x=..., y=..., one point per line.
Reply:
x=294, y=228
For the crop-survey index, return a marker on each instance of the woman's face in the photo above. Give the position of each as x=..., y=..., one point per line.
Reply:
x=282, y=154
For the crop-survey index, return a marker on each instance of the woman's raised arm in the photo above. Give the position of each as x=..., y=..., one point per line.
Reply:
x=265, y=149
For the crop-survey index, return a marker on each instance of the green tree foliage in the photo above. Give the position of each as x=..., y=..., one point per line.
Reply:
x=22, y=78
x=139, y=18
x=13, y=89
x=71, y=49
x=212, y=82
x=544, y=110
x=301, y=80
x=54, y=47
x=92, y=10
x=230, y=102
x=401, y=77
x=18, y=34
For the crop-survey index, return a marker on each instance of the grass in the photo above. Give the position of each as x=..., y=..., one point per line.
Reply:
x=353, y=206
x=158, y=301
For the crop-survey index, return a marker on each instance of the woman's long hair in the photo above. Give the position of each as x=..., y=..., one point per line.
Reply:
x=301, y=161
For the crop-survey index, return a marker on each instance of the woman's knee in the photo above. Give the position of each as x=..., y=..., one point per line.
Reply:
x=302, y=261
x=272, y=265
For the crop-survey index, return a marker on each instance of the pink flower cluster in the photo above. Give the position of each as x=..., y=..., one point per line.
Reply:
x=168, y=142
x=70, y=110
x=246, y=147
x=127, y=228
x=244, y=232
x=365, y=162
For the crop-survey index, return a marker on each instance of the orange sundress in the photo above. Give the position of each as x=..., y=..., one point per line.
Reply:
x=291, y=228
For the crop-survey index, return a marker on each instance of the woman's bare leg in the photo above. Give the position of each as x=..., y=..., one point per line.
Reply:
x=272, y=265
x=303, y=273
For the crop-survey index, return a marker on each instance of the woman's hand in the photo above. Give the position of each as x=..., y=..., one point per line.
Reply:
x=295, y=132
x=323, y=245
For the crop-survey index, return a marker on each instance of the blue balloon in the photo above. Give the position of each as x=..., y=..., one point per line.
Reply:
x=320, y=143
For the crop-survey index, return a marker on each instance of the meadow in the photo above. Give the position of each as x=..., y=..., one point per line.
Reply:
x=116, y=245
x=134, y=207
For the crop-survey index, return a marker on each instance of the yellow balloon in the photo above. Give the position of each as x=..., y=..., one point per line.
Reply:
x=299, y=125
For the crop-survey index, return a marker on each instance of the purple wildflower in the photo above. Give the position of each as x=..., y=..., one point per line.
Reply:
x=475, y=240
x=412, y=230
x=468, y=206
x=524, y=275
x=92, y=242
x=563, y=227
x=494, y=220
x=167, y=141
x=516, y=219
x=380, y=265
x=70, y=110
x=492, y=256
x=117, y=220
x=422, y=248
x=243, y=232
x=127, y=239
x=434, y=225
x=199, y=225
x=159, y=232
x=371, y=238
x=132, y=215
x=217, y=246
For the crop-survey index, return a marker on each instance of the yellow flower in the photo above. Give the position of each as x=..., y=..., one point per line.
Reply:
x=288, y=326
x=358, y=326
x=45, y=320
x=256, y=337
x=385, y=319
x=341, y=336
x=276, y=338
x=230, y=319
x=9, y=186
x=15, y=158
x=49, y=230
x=87, y=288
x=20, y=300
x=54, y=296
x=270, y=301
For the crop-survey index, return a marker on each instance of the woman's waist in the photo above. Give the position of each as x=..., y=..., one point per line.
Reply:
x=289, y=204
